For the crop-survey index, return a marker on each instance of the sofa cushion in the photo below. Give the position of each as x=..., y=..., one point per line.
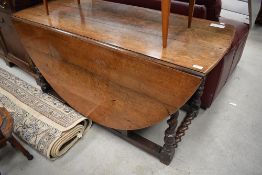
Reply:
x=177, y=7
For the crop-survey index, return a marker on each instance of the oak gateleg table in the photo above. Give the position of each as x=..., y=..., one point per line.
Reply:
x=111, y=66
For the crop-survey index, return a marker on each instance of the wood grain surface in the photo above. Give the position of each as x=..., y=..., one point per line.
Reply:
x=138, y=30
x=165, y=10
x=112, y=87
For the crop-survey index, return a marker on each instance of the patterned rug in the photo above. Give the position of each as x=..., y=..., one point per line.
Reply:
x=40, y=120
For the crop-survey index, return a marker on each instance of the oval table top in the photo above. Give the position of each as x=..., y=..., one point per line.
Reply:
x=106, y=60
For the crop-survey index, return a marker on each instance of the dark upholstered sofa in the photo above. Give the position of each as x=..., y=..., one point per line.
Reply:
x=207, y=9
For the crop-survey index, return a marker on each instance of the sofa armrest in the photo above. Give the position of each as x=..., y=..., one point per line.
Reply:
x=176, y=6
x=218, y=77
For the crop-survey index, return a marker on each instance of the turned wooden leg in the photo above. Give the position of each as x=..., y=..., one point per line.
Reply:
x=40, y=80
x=18, y=146
x=165, y=6
x=195, y=103
x=46, y=7
x=191, y=12
x=9, y=64
x=168, y=150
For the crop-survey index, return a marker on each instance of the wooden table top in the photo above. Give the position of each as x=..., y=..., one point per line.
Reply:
x=138, y=30
x=125, y=79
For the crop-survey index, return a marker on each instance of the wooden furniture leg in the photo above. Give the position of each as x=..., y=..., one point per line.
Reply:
x=168, y=150
x=173, y=135
x=6, y=129
x=18, y=146
x=46, y=6
x=195, y=101
x=191, y=11
x=40, y=80
x=164, y=153
x=8, y=63
x=165, y=7
x=192, y=112
x=45, y=87
x=3, y=46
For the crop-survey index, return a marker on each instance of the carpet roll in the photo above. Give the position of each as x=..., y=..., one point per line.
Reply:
x=68, y=139
x=42, y=121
